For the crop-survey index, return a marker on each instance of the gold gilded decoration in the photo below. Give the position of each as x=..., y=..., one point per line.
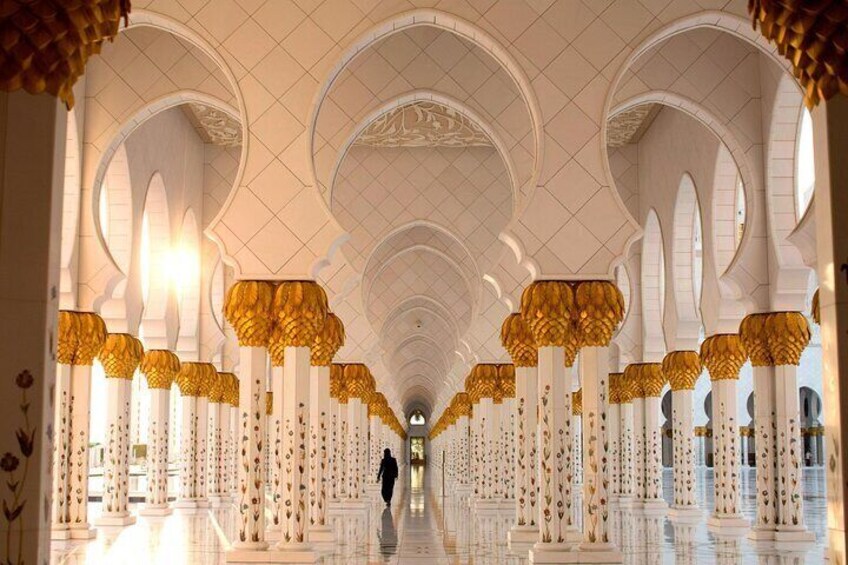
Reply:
x=248, y=308
x=189, y=378
x=547, y=308
x=506, y=380
x=231, y=388
x=723, y=355
x=46, y=44
x=377, y=405
x=301, y=310
x=269, y=403
x=208, y=377
x=329, y=340
x=80, y=337
x=788, y=335
x=752, y=331
x=600, y=309
x=615, y=387
x=577, y=402
x=811, y=35
x=120, y=356
x=219, y=389
x=644, y=380
x=682, y=369
x=357, y=381
x=277, y=347
x=160, y=367
x=485, y=378
x=815, y=309
x=472, y=388
x=338, y=390
x=517, y=339
x=462, y=404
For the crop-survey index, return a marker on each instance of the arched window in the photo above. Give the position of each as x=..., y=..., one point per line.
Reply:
x=805, y=170
x=687, y=260
x=653, y=290
x=417, y=418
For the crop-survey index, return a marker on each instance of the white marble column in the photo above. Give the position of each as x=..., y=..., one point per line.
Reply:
x=187, y=496
x=463, y=468
x=724, y=355
x=374, y=446
x=235, y=426
x=341, y=448
x=219, y=420
x=202, y=438
x=614, y=434
x=577, y=435
x=335, y=449
x=626, y=440
x=120, y=357
x=509, y=459
x=525, y=529
x=274, y=451
x=554, y=415
x=62, y=454
x=594, y=375
x=355, y=488
x=682, y=369
x=295, y=432
x=157, y=453
x=319, y=448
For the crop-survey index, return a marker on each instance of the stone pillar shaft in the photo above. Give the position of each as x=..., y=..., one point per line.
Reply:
x=526, y=423
x=295, y=425
x=653, y=451
x=274, y=452
x=614, y=433
x=639, y=446
x=355, y=438
x=683, y=427
x=790, y=450
x=319, y=424
x=116, y=463
x=626, y=449
x=157, y=452
x=63, y=457
x=726, y=451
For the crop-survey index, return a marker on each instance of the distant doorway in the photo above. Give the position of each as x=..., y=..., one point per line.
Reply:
x=416, y=451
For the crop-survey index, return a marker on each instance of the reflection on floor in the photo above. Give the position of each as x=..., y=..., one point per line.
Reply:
x=424, y=527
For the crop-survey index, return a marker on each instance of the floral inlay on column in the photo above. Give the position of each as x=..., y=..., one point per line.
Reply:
x=682, y=369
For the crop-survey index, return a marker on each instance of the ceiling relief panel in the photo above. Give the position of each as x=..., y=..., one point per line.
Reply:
x=628, y=126
x=423, y=124
x=214, y=126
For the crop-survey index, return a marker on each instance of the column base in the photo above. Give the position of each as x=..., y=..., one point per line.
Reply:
x=60, y=532
x=159, y=510
x=730, y=526
x=115, y=520
x=793, y=540
x=523, y=535
x=598, y=553
x=761, y=535
x=652, y=507
x=685, y=514
x=321, y=534
x=543, y=553
x=82, y=531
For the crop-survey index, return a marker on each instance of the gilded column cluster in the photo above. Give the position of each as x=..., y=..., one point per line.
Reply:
x=80, y=338
x=723, y=355
x=160, y=368
x=775, y=342
x=682, y=369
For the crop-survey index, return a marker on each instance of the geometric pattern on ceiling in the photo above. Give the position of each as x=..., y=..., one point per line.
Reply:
x=423, y=58
x=466, y=191
x=422, y=124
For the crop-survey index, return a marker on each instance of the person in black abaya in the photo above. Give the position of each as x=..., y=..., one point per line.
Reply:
x=389, y=474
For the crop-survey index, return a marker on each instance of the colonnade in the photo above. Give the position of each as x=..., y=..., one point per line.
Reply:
x=322, y=425
x=621, y=435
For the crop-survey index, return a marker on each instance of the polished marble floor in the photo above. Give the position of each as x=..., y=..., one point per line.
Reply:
x=423, y=527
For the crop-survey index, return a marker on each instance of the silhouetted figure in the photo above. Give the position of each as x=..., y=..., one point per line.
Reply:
x=389, y=474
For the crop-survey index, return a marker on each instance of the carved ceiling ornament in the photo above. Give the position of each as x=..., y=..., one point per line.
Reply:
x=629, y=125
x=423, y=124
x=214, y=126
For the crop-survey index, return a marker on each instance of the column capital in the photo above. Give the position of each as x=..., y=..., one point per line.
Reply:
x=506, y=380
x=815, y=308
x=231, y=396
x=218, y=390
x=519, y=342
x=723, y=355
x=646, y=380
x=577, y=403
x=338, y=390
x=358, y=381
x=120, y=355
x=485, y=379
x=752, y=331
x=248, y=309
x=51, y=52
x=462, y=404
x=160, y=367
x=189, y=379
x=547, y=308
x=81, y=336
x=328, y=341
x=788, y=334
x=682, y=369
x=809, y=36
x=300, y=308
x=600, y=309
x=616, y=388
